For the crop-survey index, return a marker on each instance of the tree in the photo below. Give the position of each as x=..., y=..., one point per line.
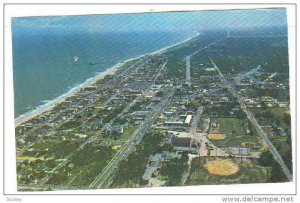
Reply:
x=288, y=159
x=277, y=175
x=265, y=159
x=160, y=94
x=287, y=118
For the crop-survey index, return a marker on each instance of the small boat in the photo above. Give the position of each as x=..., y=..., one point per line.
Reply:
x=75, y=59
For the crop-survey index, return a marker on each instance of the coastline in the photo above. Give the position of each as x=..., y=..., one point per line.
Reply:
x=49, y=105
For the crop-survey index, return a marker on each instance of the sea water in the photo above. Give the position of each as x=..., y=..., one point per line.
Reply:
x=44, y=67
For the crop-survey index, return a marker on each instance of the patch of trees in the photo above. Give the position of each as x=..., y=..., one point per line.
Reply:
x=69, y=125
x=59, y=177
x=277, y=174
x=281, y=95
x=112, y=114
x=130, y=171
x=120, y=121
x=91, y=154
x=174, y=169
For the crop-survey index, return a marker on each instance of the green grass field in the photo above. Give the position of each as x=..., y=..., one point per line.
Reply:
x=234, y=141
x=227, y=125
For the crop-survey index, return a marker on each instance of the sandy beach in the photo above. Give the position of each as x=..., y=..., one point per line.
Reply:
x=48, y=106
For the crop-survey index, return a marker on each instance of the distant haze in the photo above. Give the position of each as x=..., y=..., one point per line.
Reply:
x=44, y=47
x=167, y=21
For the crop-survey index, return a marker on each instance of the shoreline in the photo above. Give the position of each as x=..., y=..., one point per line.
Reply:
x=51, y=104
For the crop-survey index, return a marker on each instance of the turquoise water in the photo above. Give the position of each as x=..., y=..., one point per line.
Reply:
x=43, y=62
x=44, y=47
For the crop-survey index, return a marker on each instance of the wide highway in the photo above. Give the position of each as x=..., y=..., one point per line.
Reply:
x=254, y=122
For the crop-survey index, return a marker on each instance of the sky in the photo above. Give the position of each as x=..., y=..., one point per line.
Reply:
x=167, y=21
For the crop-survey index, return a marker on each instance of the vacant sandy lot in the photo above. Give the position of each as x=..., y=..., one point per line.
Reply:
x=221, y=167
x=216, y=136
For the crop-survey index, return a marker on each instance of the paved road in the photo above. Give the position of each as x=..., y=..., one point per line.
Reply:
x=254, y=122
x=188, y=70
x=195, y=122
x=92, y=138
x=187, y=174
x=201, y=49
x=135, y=66
x=249, y=73
x=270, y=77
x=56, y=126
x=188, y=63
x=102, y=180
x=67, y=159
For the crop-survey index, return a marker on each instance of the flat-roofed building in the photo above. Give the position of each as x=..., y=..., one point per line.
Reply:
x=173, y=123
x=188, y=120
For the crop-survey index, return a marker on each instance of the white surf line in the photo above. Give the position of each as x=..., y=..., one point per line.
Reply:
x=46, y=107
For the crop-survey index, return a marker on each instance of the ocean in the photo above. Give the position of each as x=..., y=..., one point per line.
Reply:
x=44, y=67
